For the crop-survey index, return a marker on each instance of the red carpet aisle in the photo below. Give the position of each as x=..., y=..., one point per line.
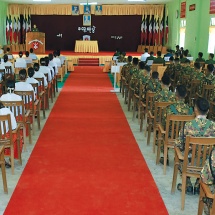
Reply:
x=86, y=161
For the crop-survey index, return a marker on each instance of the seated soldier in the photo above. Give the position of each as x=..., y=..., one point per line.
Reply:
x=159, y=59
x=209, y=78
x=151, y=57
x=39, y=74
x=198, y=75
x=184, y=57
x=5, y=111
x=198, y=127
x=153, y=84
x=177, y=108
x=134, y=69
x=165, y=95
x=117, y=53
x=200, y=59
x=187, y=70
x=208, y=177
x=170, y=68
x=144, y=75
x=122, y=58
x=210, y=59
x=126, y=68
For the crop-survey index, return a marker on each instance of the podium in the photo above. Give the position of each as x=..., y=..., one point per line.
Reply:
x=35, y=40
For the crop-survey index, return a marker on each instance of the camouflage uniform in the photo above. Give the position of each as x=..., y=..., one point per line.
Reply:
x=121, y=59
x=153, y=85
x=164, y=96
x=178, y=69
x=135, y=73
x=198, y=127
x=207, y=178
x=209, y=80
x=170, y=70
x=126, y=71
x=178, y=108
x=187, y=70
x=210, y=61
x=197, y=75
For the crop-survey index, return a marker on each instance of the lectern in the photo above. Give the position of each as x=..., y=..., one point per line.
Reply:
x=35, y=40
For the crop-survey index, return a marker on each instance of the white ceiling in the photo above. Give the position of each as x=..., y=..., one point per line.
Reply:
x=79, y=1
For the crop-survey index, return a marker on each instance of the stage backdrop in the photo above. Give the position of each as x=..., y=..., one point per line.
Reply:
x=112, y=32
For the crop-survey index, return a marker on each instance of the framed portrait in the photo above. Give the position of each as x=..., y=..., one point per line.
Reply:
x=87, y=9
x=86, y=20
x=75, y=9
x=98, y=10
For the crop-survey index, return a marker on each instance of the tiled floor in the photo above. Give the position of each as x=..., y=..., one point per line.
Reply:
x=172, y=202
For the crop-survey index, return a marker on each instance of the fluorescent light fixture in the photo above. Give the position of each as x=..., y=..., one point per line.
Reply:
x=42, y=0
x=90, y=3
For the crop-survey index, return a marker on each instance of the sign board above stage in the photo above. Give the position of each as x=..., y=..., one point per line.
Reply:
x=35, y=40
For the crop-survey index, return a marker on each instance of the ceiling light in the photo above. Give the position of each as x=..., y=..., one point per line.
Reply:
x=137, y=0
x=86, y=3
x=42, y=0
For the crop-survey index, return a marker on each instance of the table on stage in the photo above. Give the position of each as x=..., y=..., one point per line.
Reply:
x=86, y=46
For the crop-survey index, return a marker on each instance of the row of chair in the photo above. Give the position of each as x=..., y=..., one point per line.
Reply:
x=151, y=112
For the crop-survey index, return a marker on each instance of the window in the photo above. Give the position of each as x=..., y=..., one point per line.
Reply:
x=211, y=41
x=182, y=33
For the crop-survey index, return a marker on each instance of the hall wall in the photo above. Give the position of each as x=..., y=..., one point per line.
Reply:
x=197, y=26
x=3, y=14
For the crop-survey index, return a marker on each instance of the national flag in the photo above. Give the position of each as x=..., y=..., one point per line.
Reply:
x=142, y=29
x=146, y=29
x=14, y=29
x=154, y=30
x=157, y=32
x=29, y=23
x=167, y=28
x=19, y=30
x=24, y=28
x=150, y=29
x=7, y=29
x=10, y=29
x=161, y=32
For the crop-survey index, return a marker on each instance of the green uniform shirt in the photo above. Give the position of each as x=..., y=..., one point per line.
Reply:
x=211, y=61
x=159, y=60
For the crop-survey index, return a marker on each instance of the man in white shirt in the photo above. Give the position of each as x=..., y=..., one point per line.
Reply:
x=44, y=69
x=32, y=55
x=51, y=68
x=62, y=58
x=7, y=63
x=56, y=59
x=39, y=74
x=27, y=58
x=52, y=63
x=145, y=55
x=22, y=85
x=10, y=95
x=20, y=59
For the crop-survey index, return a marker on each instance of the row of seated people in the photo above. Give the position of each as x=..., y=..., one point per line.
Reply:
x=138, y=82
x=30, y=108
x=47, y=66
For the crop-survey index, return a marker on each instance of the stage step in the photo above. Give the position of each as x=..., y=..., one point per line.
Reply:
x=88, y=62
